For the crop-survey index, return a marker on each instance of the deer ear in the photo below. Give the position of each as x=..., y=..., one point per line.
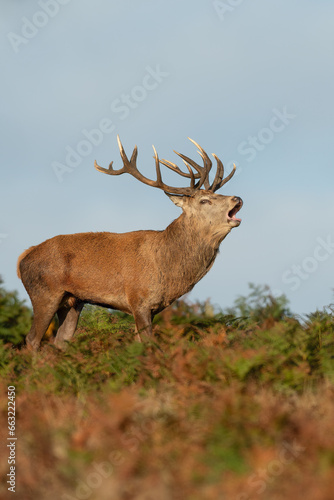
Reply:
x=177, y=199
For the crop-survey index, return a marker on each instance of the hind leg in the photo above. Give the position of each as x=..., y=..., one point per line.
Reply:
x=143, y=321
x=68, y=320
x=44, y=310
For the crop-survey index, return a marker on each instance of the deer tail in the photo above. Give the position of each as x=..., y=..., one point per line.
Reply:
x=21, y=257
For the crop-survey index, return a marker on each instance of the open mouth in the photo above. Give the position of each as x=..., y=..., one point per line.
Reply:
x=233, y=211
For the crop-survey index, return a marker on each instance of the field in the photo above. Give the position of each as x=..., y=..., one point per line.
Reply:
x=236, y=405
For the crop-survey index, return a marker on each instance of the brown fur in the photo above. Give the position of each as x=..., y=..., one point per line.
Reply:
x=21, y=257
x=140, y=273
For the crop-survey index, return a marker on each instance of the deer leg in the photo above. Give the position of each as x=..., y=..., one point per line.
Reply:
x=68, y=319
x=143, y=321
x=43, y=313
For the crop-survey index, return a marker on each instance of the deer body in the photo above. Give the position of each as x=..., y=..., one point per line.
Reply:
x=140, y=272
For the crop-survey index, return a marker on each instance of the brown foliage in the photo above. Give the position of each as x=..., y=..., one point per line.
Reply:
x=187, y=423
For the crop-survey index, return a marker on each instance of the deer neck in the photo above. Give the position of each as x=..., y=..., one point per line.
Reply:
x=186, y=231
x=187, y=254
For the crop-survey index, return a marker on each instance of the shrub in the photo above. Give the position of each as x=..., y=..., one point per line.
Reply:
x=15, y=317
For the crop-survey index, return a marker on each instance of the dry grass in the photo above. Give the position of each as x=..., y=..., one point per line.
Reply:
x=228, y=410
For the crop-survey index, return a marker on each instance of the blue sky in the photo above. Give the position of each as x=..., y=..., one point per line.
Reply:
x=250, y=81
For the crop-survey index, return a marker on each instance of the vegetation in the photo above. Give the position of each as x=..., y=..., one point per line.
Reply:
x=230, y=405
x=15, y=317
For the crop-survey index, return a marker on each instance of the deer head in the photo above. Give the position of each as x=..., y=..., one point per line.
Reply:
x=199, y=200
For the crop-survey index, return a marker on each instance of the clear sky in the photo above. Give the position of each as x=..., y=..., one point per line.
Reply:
x=250, y=81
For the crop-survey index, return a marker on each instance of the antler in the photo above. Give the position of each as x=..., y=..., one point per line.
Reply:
x=219, y=180
x=202, y=172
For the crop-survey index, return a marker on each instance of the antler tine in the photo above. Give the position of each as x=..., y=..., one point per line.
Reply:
x=219, y=178
x=219, y=174
x=208, y=168
x=101, y=169
x=230, y=175
x=176, y=169
x=134, y=155
x=206, y=160
x=192, y=175
x=200, y=170
x=157, y=166
x=109, y=170
x=126, y=162
x=121, y=150
x=202, y=173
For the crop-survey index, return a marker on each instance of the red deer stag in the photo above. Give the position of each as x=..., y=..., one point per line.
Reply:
x=141, y=272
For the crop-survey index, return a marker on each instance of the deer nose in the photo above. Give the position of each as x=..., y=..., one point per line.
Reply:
x=237, y=199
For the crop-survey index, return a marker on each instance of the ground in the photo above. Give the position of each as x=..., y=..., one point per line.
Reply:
x=215, y=407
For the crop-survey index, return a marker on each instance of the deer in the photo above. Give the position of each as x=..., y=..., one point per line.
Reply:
x=140, y=272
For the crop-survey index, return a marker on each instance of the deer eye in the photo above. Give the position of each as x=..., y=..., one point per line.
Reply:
x=205, y=201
